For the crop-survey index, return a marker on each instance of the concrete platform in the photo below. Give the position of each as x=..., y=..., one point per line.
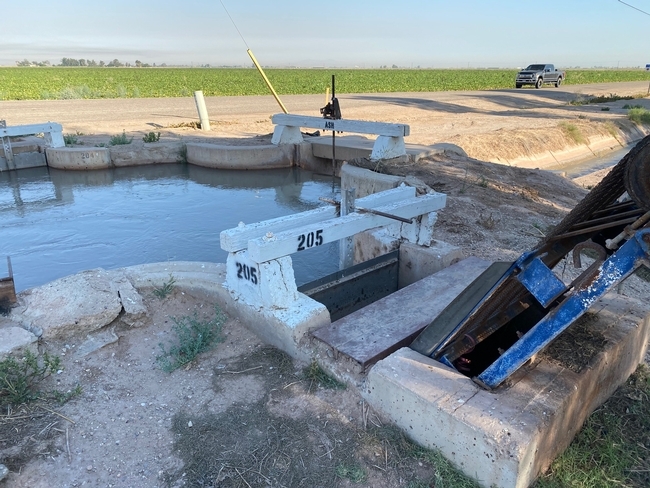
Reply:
x=375, y=331
x=508, y=437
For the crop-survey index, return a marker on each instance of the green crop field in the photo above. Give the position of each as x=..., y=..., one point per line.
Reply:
x=70, y=83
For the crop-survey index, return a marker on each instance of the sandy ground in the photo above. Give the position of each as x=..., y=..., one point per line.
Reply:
x=497, y=125
x=243, y=414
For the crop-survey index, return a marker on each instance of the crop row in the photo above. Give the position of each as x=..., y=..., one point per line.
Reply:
x=71, y=83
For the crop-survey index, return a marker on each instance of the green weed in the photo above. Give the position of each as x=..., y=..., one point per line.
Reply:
x=612, y=97
x=182, y=154
x=194, y=336
x=627, y=106
x=19, y=378
x=120, y=140
x=401, y=447
x=573, y=132
x=317, y=377
x=639, y=115
x=64, y=397
x=70, y=139
x=151, y=137
x=612, y=447
x=352, y=472
x=166, y=288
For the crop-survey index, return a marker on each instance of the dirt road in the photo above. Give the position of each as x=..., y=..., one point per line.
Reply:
x=433, y=117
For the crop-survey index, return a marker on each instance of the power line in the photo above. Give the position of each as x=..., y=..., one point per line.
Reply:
x=631, y=6
x=233, y=23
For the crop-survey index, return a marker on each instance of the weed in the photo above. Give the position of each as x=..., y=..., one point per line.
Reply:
x=604, y=109
x=194, y=337
x=101, y=144
x=401, y=447
x=120, y=140
x=573, y=132
x=317, y=377
x=639, y=115
x=70, y=139
x=628, y=106
x=612, y=97
x=612, y=129
x=189, y=125
x=166, y=288
x=488, y=222
x=482, y=181
x=182, y=154
x=352, y=472
x=151, y=137
x=611, y=449
x=64, y=397
x=19, y=378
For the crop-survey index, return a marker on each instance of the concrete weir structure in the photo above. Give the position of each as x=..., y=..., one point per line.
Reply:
x=505, y=438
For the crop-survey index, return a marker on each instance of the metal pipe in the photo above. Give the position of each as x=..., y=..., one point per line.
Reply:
x=202, y=109
x=266, y=80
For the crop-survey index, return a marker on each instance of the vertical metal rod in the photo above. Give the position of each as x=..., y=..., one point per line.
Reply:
x=11, y=271
x=333, y=132
x=202, y=109
x=266, y=80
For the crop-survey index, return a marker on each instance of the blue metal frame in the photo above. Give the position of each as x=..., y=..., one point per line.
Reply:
x=615, y=269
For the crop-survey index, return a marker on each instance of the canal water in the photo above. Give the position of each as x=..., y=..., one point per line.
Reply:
x=54, y=223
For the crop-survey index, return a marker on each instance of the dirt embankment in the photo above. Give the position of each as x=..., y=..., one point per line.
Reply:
x=526, y=127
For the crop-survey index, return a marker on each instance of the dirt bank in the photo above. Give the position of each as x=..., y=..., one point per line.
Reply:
x=526, y=127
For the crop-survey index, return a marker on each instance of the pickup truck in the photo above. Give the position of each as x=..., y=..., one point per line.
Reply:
x=538, y=74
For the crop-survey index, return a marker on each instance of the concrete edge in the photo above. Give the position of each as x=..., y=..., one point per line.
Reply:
x=217, y=156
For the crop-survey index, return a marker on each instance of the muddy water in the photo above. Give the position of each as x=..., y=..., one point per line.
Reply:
x=54, y=223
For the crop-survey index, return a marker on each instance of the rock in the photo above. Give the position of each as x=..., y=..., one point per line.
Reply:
x=135, y=312
x=76, y=304
x=15, y=340
x=3, y=472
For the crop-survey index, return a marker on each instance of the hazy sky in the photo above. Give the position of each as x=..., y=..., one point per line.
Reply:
x=364, y=33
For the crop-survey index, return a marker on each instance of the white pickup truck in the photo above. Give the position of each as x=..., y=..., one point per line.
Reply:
x=538, y=74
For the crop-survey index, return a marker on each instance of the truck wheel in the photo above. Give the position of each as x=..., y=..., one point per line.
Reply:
x=517, y=85
x=539, y=83
x=558, y=82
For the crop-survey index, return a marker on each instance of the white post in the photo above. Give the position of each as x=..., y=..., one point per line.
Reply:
x=202, y=109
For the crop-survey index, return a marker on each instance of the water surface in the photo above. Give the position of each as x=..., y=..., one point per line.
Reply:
x=55, y=223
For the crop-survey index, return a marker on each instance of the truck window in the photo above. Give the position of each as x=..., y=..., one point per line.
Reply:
x=535, y=67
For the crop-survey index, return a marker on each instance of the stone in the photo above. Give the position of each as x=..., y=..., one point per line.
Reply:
x=14, y=341
x=75, y=304
x=135, y=311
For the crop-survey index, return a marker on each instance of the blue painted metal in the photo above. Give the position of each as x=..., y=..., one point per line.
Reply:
x=540, y=281
x=615, y=269
x=517, y=265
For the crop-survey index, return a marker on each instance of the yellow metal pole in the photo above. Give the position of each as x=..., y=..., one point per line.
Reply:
x=268, y=83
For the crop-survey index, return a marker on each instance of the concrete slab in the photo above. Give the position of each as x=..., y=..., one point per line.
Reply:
x=375, y=331
x=78, y=158
x=417, y=262
x=240, y=157
x=508, y=437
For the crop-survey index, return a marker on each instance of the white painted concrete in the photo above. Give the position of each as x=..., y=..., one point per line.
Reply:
x=287, y=242
x=389, y=143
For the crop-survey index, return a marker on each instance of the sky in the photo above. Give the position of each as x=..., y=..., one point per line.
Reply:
x=331, y=33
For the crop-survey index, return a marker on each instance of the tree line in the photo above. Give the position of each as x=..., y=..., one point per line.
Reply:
x=116, y=63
